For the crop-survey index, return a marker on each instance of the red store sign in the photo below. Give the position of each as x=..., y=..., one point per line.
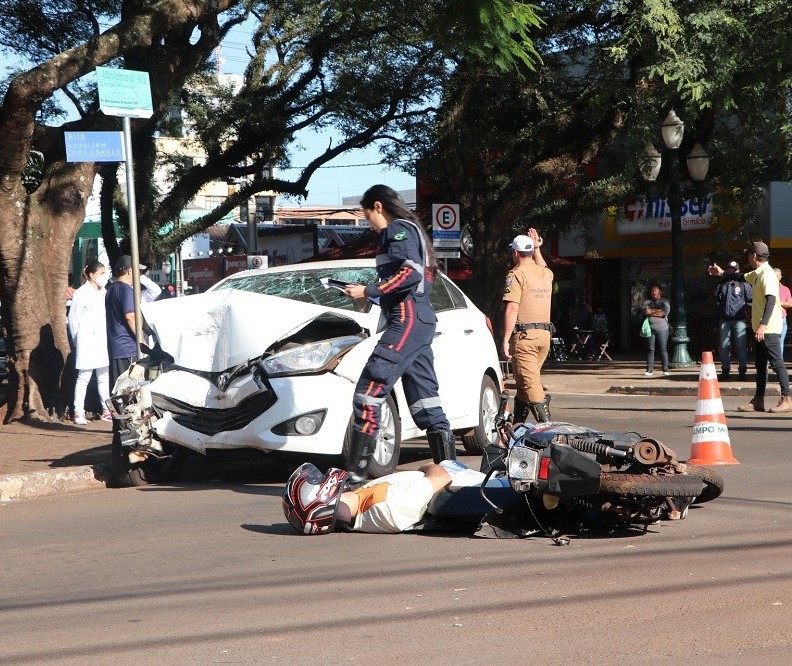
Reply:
x=202, y=272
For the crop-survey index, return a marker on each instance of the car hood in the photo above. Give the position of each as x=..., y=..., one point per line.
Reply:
x=218, y=330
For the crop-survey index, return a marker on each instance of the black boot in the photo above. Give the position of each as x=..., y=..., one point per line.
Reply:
x=361, y=448
x=541, y=410
x=442, y=444
x=521, y=411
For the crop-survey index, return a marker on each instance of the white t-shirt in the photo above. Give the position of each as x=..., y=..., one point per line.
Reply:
x=393, y=503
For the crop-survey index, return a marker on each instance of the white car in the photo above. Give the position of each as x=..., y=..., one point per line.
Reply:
x=268, y=360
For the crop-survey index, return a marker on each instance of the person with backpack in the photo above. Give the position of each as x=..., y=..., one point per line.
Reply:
x=732, y=299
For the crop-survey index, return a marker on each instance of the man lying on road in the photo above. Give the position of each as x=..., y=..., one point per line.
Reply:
x=316, y=503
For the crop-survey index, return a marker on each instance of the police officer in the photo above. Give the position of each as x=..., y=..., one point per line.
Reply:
x=406, y=268
x=527, y=330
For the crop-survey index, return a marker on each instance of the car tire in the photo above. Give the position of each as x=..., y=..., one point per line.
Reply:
x=388, y=446
x=484, y=433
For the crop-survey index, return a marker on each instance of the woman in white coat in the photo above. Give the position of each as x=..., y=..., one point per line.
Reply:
x=88, y=329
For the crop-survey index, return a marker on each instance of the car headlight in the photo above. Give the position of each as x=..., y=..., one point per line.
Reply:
x=308, y=358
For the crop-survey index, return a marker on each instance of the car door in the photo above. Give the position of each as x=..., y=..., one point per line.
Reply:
x=456, y=349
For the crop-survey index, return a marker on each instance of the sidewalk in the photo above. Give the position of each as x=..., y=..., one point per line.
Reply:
x=57, y=458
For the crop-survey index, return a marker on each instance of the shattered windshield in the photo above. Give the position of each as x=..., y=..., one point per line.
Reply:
x=308, y=286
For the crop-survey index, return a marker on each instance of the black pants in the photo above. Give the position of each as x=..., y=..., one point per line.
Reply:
x=769, y=351
x=118, y=366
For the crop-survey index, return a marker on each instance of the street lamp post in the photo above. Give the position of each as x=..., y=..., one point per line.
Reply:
x=698, y=163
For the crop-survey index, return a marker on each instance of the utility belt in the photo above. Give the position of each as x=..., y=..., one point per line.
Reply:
x=543, y=327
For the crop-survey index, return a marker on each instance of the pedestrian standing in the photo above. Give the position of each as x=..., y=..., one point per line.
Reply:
x=406, y=268
x=86, y=321
x=527, y=329
x=785, y=301
x=120, y=318
x=149, y=290
x=657, y=309
x=766, y=323
x=732, y=299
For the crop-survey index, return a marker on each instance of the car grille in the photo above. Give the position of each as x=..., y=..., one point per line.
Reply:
x=211, y=421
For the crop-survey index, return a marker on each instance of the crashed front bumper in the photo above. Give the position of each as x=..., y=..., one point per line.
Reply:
x=251, y=415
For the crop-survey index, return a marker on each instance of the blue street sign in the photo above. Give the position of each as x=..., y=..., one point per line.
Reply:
x=94, y=147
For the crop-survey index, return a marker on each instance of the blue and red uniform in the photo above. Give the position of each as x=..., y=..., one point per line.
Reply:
x=404, y=350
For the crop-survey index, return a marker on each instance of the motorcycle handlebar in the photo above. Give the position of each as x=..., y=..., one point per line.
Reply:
x=504, y=402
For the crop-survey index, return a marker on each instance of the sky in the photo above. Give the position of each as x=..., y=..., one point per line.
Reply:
x=348, y=175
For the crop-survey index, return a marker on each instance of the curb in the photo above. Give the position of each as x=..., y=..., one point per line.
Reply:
x=687, y=391
x=63, y=481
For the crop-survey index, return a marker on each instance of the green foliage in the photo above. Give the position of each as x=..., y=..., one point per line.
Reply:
x=372, y=71
x=556, y=146
x=497, y=32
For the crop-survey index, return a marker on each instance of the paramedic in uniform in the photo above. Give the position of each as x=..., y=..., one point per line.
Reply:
x=406, y=269
x=527, y=329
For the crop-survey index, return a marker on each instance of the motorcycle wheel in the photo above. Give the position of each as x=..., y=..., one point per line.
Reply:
x=128, y=475
x=649, y=485
x=713, y=483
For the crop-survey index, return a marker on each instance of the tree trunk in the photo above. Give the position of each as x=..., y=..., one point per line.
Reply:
x=35, y=251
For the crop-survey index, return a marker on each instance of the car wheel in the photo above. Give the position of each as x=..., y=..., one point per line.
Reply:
x=484, y=433
x=388, y=444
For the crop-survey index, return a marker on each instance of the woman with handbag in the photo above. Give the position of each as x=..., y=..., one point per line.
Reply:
x=656, y=308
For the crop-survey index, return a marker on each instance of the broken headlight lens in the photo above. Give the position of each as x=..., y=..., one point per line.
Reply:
x=309, y=358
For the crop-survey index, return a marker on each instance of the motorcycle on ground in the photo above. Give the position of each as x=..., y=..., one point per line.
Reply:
x=558, y=478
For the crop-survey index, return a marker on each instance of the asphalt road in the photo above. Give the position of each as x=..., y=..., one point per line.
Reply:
x=209, y=573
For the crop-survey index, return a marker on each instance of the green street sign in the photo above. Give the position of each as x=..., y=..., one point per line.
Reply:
x=124, y=92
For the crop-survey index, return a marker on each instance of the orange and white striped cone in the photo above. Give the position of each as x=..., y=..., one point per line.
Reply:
x=711, y=445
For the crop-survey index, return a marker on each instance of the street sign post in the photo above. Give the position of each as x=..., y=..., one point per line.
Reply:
x=127, y=93
x=446, y=231
x=257, y=261
x=124, y=92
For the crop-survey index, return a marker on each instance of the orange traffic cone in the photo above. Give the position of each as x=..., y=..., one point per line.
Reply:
x=711, y=445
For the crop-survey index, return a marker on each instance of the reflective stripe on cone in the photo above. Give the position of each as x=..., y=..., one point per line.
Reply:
x=710, y=442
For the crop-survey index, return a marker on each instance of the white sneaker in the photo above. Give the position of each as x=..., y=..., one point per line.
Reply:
x=666, y=373
x=648, y=374
x=79, y=418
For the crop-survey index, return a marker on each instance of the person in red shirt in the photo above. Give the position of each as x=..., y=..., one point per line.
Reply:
x=785, y=301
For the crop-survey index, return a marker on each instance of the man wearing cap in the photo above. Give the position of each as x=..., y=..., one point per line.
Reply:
x=732, y=297
x=766, y=323
x=527, y=329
